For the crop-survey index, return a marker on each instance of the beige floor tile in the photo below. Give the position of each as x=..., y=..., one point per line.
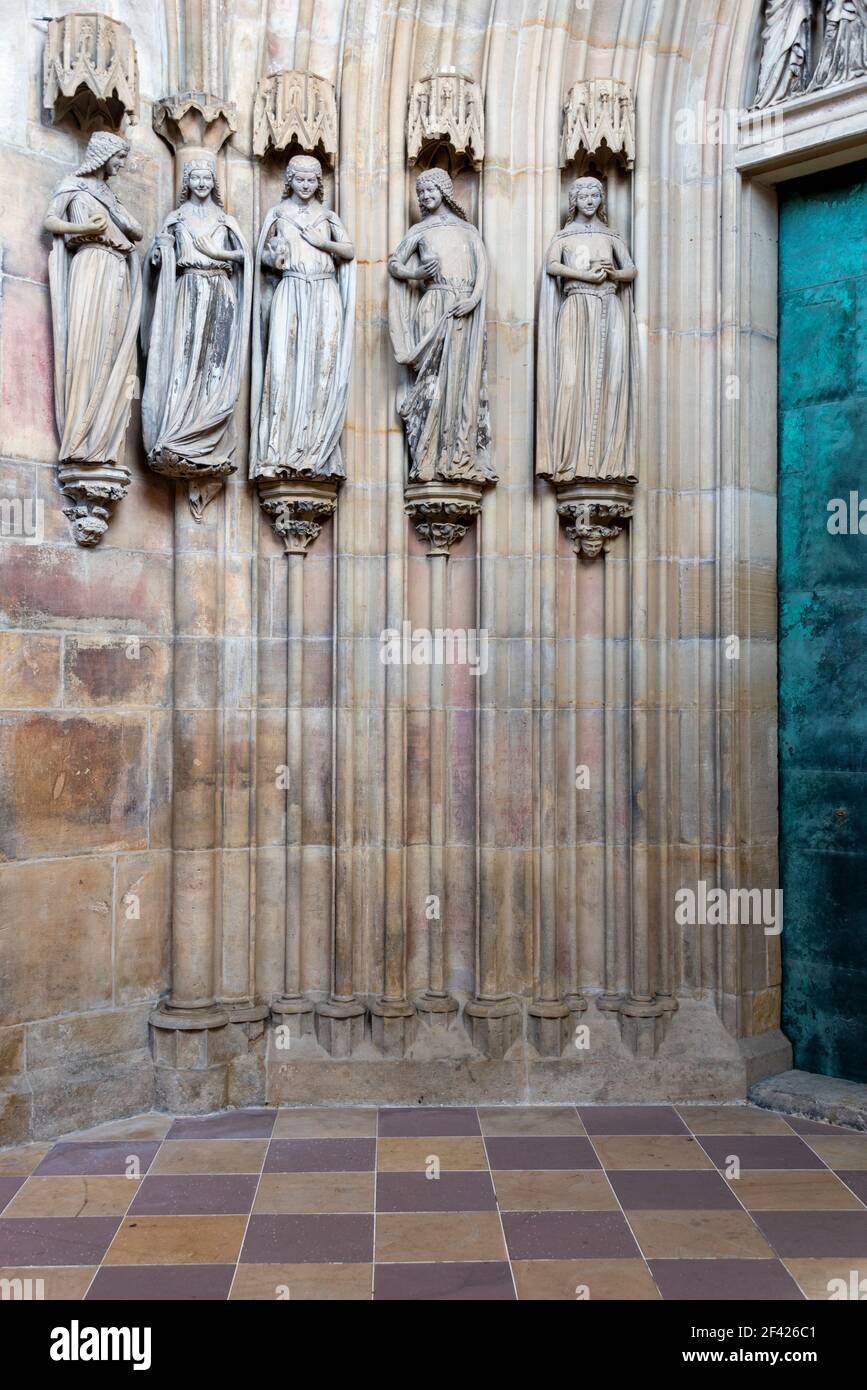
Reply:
x=17, y=1163
x=554, y=1189
x=731, y=1119
x=322, y=1122
x=412, y=1155
x=137, y=1127
x=793, y=1191
x=815, y=1277
x=325, y=1283
x=210, y=1156
x=73, y=1196
x=530, y=1121
x=663, y=1151
x=284, y=1193
x=580, y=1280
x=177, y=1240
x=59, y=1282
x=466, y=1235
x=698, y=1235
x=840, y=1150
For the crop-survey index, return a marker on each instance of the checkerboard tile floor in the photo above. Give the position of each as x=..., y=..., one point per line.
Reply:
x=548, y=1202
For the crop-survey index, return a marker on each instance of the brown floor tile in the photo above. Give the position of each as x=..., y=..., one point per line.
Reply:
x=566, y=1280
x=59, y=1282
x=465, y=1235
x=21, y=1161
x=554, y=1189
x=533, y=1121
x=411, y=1155
x=792, y=1191
x=839, y=1151
x=320, y=1122
x=286, y=1193
x=647, y=1152
x=210, y=1156
x=177, y=1240
x=815, y=1276
x=81, y=1195
x=136, y=1127
x=731, y=1119
x=697, y=1235
x=323, y=1283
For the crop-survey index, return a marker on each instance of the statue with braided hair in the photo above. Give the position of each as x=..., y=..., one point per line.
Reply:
x=95, y=283
x=195, y=328
x=437, y=322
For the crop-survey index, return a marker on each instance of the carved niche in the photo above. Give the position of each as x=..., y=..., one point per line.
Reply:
x=90, y=71
x=295, y=106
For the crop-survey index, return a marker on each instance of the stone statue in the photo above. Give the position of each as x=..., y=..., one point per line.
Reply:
x=587, y=379
x=844, y=47
x=302, y=332
x=437, y=323
x=786, y=43
x=95, y=282
x=195, y=329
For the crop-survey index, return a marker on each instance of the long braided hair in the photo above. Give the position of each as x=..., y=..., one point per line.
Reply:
x=440, y=179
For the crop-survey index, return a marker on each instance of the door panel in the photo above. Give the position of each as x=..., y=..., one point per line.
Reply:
x=823, y=620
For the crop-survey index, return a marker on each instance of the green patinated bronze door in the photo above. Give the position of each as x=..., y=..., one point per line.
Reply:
x=823, y=618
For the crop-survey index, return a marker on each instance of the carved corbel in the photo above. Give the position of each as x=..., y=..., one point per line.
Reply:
x=90, y=71
x=297, y=509
x=598, y=124
x=189, y=121
x=297, y=107
x=93, y=490
x=442, y=513
x=447, y=108
x=595, y=513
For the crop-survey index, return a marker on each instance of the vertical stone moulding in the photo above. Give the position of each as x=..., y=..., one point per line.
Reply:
x=304, y=307
x=443, y=496
x=587, y=306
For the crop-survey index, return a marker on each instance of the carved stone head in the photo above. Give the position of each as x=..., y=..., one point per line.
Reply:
x=434, y=187
x=587, y=195
x=104, y=148
x=300, y=169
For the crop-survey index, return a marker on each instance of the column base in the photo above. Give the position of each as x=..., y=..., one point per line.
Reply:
x=437, y=1010
x=340, y=1026
x=643, y=1025
x=392, y=1026
x=294, y=1014
x=205, y=1060
x=189, y=1020
x=549, y=1025
x=493, y=1024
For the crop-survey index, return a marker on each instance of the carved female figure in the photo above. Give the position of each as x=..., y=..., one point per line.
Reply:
x=95, y=282
x=786, y=43
x=194, y=333
x=587, y=385
x=437, y=323
x=844, y=47
x=302, y=332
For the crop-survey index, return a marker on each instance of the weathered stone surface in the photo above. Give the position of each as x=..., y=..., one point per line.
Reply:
x=69, y=784
x=55, y=938
x=142, y=907
x=116, y=671
x=29, y=670
x=826, y=1098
